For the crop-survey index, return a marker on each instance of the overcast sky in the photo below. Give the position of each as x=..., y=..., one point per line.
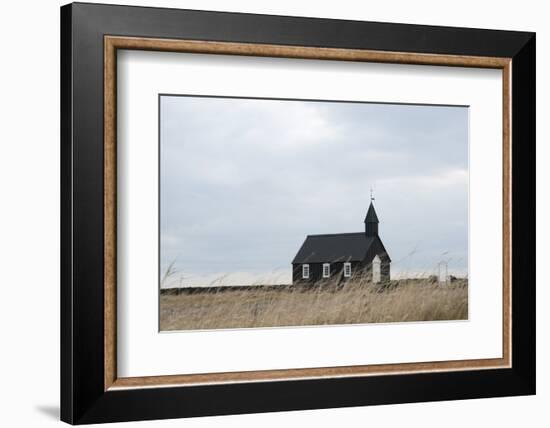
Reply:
x=244, y=181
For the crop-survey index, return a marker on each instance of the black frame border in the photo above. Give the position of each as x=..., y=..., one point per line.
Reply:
x=83, y=399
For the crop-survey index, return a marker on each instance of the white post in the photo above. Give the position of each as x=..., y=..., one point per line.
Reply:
x=442, y=273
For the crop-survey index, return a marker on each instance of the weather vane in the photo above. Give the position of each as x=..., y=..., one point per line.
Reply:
x=371, y=197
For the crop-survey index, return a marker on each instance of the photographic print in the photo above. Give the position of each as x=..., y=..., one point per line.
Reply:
x=282, y=212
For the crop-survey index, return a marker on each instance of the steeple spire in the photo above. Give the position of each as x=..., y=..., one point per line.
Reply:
x=371, y=219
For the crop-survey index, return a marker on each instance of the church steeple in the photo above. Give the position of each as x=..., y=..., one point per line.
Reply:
x=371, y=219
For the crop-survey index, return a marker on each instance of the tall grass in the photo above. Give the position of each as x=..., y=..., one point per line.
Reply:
x=326, y=303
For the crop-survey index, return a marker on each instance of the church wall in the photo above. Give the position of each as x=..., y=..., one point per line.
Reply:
x=316, y=272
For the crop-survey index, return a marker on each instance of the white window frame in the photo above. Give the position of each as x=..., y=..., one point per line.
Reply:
x=305, y=268
x=327, y=266
x=347, y=270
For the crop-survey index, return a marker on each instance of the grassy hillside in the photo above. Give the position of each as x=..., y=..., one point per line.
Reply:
x=246, y=307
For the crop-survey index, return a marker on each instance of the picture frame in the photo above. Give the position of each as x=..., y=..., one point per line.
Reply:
x=91, y=391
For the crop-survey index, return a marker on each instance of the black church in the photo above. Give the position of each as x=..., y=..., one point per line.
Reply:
x=343, y=256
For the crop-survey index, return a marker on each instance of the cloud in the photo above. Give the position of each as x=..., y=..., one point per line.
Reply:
x=244, y=181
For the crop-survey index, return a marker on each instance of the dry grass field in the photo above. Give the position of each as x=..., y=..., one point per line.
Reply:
x=399, y=301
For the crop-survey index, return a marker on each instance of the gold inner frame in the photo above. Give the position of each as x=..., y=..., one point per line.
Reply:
x=113, y=43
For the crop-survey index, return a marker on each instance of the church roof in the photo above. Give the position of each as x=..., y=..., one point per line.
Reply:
x=343, y=247
x=371, y=215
